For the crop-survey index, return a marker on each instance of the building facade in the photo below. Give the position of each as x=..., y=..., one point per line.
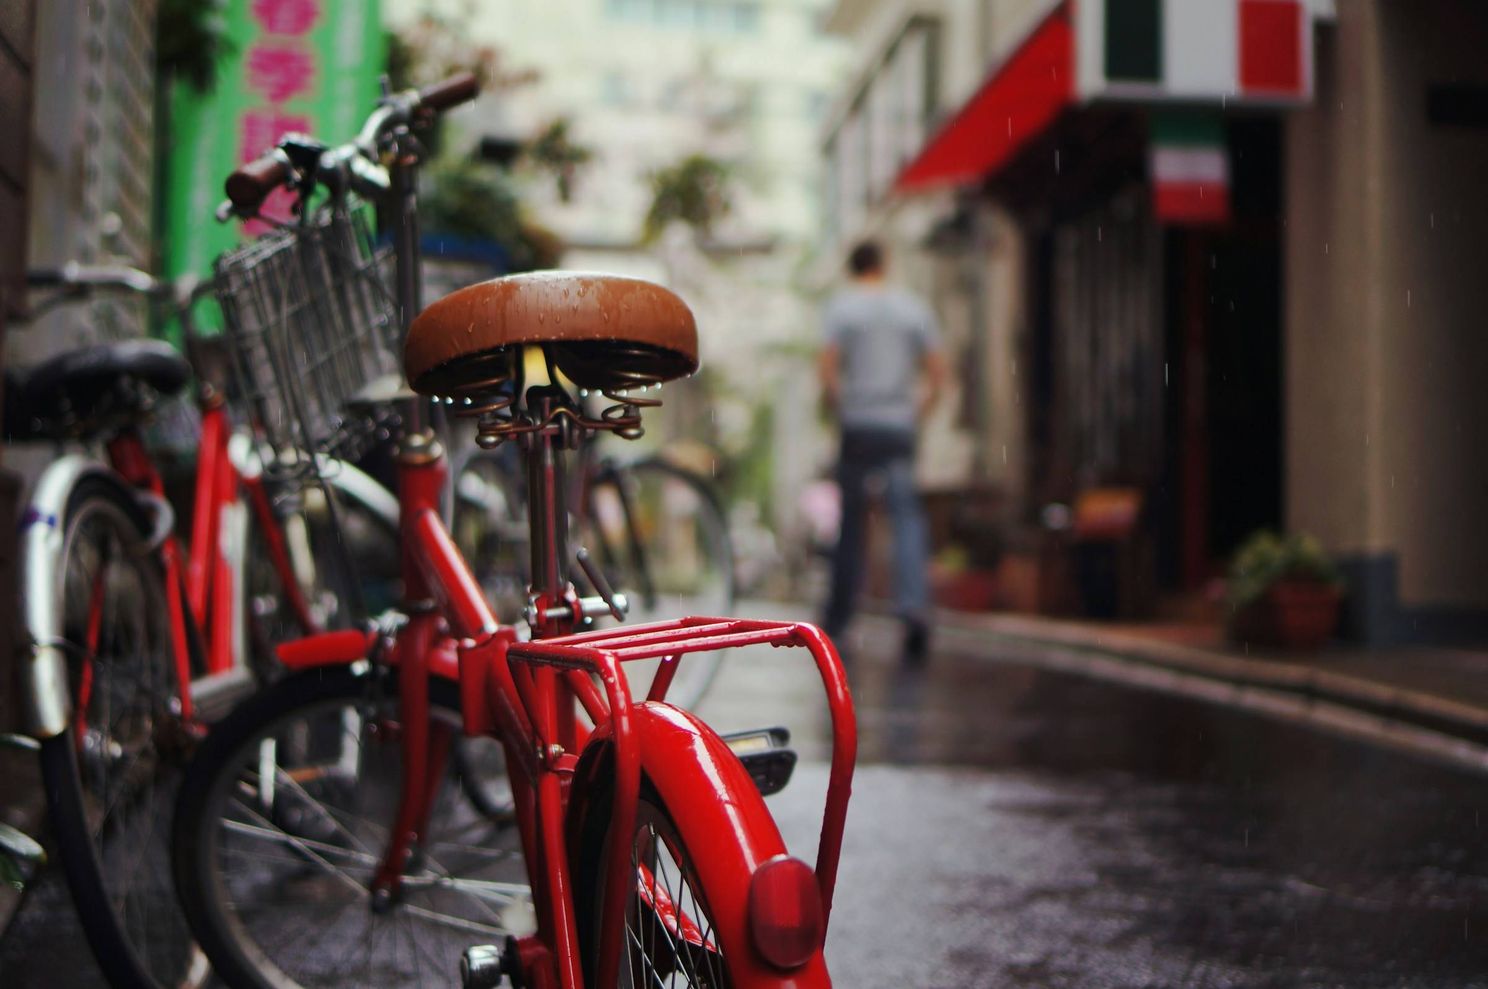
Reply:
x=1232, y=267
x=17, y=63
x=1386, y=457
x=914, y=64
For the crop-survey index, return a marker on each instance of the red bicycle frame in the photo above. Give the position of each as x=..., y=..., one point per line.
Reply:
x=528, y=694
x=201, y=597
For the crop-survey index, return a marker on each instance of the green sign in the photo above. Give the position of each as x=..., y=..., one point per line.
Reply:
x=295, y=65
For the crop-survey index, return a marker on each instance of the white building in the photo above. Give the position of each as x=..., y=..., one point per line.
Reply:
x=645, y=83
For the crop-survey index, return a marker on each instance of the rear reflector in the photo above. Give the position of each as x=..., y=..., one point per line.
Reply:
x=785, y=912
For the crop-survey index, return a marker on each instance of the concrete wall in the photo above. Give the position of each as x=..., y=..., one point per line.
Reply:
x=17, y=25
x=1386, y=356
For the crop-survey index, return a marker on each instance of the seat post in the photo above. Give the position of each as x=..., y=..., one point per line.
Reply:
x=542, y=451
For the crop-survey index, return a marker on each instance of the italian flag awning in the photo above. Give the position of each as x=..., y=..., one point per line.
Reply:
x=1208, y=54
x=1245, y=51
x=1189, y=166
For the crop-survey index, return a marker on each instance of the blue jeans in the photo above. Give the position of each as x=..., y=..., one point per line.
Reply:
x=870, y=458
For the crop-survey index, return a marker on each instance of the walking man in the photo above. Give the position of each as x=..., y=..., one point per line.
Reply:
x=882, y=370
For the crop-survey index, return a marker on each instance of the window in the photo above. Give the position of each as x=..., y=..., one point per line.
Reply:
x=746, y=17
x=722, y=16
x=615, y=89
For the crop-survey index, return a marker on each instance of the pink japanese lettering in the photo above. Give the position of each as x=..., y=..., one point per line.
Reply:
x=260, y=130
x=292, y=17
x=279, y=73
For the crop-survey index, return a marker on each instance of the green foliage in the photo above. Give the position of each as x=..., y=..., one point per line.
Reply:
x=191, y=40
x=695, y=191
x=402, y=60
x=554, y=150
x=465, y=198
x=436, y=46
x=1267, y=557
x=468, y=199
x=754, y=466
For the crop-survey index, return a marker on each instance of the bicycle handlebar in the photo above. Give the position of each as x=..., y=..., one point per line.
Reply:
x=458, y=88
x=354, y=162
x=74, y=282
x=79, y=276
x=249, y=185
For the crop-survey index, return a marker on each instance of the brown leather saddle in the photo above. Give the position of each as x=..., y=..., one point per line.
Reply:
x=604, y=332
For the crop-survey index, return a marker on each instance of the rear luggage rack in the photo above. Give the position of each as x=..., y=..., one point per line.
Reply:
x=599, y=654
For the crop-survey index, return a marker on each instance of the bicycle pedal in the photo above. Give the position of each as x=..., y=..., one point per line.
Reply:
x=481, y=967
x=484, y=966
x=766, y=755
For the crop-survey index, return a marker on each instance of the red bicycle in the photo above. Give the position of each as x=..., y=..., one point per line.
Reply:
x=136, y=635
x=317, y=839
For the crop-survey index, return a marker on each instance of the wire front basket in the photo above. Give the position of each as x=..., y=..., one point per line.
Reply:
x=312, y=327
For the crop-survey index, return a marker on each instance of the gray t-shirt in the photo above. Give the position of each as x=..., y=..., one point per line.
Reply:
x=883, y=334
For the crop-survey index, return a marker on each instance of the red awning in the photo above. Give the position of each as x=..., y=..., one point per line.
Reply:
x=1016, y=104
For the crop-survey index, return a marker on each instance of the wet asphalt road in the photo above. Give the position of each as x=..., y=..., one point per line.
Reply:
x=1015, y=828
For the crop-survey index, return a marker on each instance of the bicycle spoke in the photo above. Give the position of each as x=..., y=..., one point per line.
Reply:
x=482, y=888
x=316, y=805
x=300, y=844
x=453, y=923
x=420, y=948
x=278, y=836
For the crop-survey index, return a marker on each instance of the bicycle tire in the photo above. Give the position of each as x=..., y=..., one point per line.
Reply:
x=650, y=956
x=481, y=770
x=108, y=776
x=252, y=905
x=487, y=519
x=660, y=535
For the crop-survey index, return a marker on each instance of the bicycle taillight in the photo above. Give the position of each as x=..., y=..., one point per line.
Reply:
x=786, y=920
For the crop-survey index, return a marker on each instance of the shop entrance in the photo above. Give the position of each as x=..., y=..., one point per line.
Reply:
x=1223, y=289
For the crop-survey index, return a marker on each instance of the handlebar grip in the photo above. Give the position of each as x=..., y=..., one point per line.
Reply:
x=459, y=88
x=251, y=184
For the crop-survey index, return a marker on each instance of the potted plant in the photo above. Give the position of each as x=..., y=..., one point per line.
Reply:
x=1283, y=591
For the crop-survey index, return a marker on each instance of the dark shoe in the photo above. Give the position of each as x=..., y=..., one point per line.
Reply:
x=916, y=642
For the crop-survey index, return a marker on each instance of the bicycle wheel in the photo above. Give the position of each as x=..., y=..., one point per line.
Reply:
x=488, y=522
x=283, y=819
x=660, y=536
x=669, y=931
x=110, y=778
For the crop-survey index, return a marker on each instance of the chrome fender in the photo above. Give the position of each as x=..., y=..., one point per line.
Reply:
x=347, y=479
x=46, y=700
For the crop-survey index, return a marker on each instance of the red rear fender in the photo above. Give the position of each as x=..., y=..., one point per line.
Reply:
x=728, y=836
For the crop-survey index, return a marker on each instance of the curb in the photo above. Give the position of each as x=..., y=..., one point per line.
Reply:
x=1419, y=722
